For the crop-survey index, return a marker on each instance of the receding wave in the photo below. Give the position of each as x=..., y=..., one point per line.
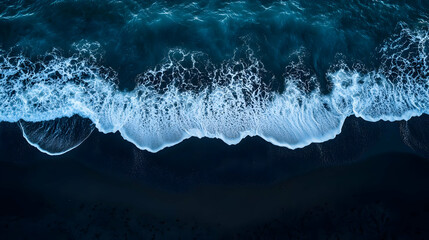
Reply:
x=187, y=97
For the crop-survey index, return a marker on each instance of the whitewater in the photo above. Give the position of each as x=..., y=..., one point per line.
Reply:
x=185, y=96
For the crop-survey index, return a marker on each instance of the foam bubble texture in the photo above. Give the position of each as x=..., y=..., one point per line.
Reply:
x=184, y=97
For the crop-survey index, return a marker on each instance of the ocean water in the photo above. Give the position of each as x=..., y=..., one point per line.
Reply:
x=159, y=72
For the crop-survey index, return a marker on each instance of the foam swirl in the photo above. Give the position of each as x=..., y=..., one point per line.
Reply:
x=184, y=97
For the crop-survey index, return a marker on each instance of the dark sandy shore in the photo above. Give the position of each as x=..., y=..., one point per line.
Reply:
x=207, y=190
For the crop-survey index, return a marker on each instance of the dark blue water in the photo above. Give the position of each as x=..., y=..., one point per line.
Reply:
x=161, y=72
x=140, y=97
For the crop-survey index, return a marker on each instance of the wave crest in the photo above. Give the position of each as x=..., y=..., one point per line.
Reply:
x=185, y=96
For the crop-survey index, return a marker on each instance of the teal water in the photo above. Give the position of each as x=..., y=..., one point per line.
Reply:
x=290, y=72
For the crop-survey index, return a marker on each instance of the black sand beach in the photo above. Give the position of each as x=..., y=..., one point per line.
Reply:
x=220, y=192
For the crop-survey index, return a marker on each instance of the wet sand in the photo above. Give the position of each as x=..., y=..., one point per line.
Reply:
x=216, y=191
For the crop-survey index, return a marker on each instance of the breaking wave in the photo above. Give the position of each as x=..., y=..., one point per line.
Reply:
x=186, y=96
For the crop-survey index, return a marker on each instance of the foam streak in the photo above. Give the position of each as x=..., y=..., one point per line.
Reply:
x=168, y=107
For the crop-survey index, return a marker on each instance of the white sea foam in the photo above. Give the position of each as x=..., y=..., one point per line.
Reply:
x=171, y=104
